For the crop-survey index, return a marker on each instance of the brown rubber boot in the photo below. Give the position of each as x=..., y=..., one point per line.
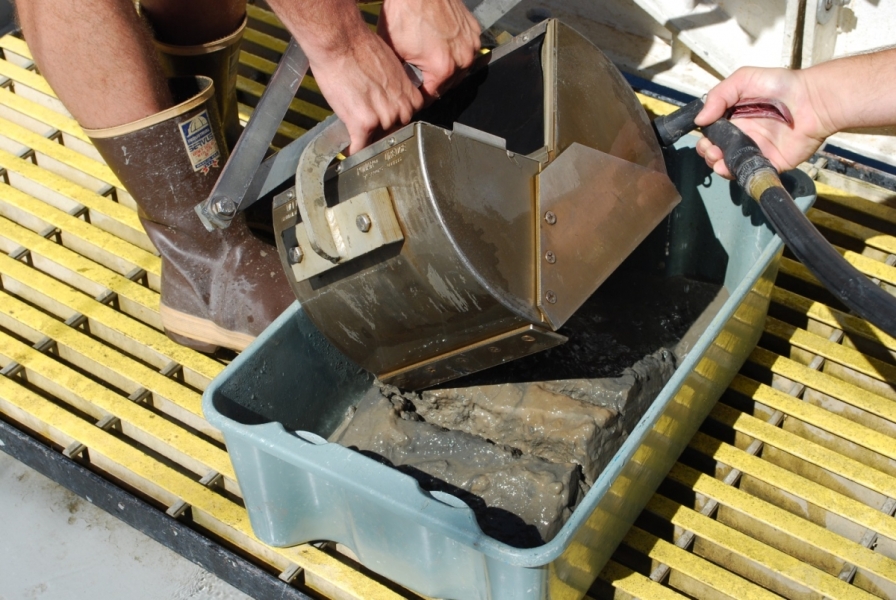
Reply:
x=219, y=288
x=218, y=59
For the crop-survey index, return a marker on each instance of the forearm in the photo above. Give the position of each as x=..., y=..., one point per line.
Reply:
x=359, y=75
x=323, y=28
x=856, y=91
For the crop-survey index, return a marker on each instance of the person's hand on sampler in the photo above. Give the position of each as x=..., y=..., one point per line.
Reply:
x=361, y=74
x=844, y=94
x=439, y=38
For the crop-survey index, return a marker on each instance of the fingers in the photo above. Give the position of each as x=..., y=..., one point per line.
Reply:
x=446, y=74
x=723, y=96
x=714, y=108
x=447, y=66
x=709, y=151
x=713, y=156
x=785, y=144
x=436, y=73
x=439, y=37
x=382, y=112
x=436, y=84
x=360, y=131
x=721, y=170
x=370, y=90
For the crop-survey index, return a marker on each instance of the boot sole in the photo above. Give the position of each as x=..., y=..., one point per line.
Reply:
x=200, y=334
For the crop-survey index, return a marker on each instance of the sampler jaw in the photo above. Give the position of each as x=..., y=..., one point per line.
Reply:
x=467, y=238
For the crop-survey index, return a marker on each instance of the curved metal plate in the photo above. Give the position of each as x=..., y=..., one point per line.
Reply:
x=601, y=207
x=595, y=106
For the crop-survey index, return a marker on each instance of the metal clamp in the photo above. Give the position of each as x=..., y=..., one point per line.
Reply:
x=318, y=154
x=340, y=233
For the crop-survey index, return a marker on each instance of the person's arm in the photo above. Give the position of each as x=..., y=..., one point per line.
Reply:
x=439, y=37
x=848, y=93
x=358, y=74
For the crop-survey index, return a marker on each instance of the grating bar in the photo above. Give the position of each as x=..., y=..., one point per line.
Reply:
x=63, y=194
x=800, y=487
x=869, y=539
x=85, y=395
x=831, y=350
x=82, y=237
x=697, y=577
x=85, y=275
x=26, y=77
x=285, y=128
x=855, y=203
x=686, y=538
x=73, y=165
x=810, y=534
x=634, y=585
x=267, y=67
x=868, y=236
x=784, y=570
x=865, y=265
x=297, y=105
x=826, y=384
x=768, y=434
x=831, y=317
x=97, y=358
x=115, y=328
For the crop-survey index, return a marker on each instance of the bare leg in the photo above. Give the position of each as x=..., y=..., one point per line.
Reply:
x=193, y=22
x=98, y=57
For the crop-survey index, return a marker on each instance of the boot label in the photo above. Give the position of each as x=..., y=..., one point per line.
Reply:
x=202, y=148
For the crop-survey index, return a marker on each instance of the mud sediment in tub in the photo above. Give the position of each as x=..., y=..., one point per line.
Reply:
x=516, y=497
x=522, y=443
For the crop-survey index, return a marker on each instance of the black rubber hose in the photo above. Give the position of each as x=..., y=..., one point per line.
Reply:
x=672, y=127
x=742, y=156
x=851, y=287
x=755, y=173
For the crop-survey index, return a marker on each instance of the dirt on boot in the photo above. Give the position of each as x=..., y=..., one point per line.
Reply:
x=219, y=288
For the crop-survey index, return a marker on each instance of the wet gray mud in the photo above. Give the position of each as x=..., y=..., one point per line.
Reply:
x=516, y=497
x=523, y=442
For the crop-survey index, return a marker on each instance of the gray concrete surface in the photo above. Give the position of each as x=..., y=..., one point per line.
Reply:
x=56, y=546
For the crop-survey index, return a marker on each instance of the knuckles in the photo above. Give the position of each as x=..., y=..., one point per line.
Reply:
x=442, y=67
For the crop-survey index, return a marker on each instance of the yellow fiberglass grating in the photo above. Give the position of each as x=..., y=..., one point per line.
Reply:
x=166, y=487
x=739, y=501
x=787, y=490
x=854, y=206
x=790, y=483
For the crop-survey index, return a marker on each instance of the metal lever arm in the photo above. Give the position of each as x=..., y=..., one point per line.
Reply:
x=227, y=197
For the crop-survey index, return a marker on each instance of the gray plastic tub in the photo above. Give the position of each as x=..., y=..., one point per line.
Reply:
x=299, y=488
